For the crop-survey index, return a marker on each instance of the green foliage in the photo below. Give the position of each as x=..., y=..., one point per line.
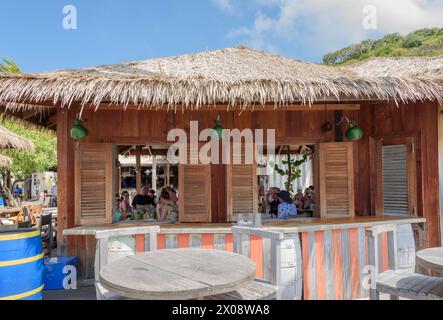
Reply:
x=9, y=66
x=41, y=159
x=295, y=171
x=424, y=42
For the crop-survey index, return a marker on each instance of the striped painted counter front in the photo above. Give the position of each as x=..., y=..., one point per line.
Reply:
x=332, y=255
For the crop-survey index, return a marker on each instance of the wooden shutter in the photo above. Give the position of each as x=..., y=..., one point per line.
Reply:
x=395, y=175
x=194, y=192
x=336, y=179
x=242, y=193
x=94, y=183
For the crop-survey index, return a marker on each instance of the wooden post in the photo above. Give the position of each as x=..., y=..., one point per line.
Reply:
x=154, y=173
x=65, y=177
x=373, y=261
x=168, y=174
x=118, y=181
x=138, y=166
x=440, y=167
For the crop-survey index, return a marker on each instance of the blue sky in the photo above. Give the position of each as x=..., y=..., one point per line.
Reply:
x=112, y=31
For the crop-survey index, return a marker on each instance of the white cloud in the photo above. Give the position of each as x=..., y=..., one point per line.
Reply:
x=224, y=5
x=326, y=25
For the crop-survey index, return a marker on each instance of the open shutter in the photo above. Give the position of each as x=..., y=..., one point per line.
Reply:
x=94, y=183
x=336, y=179
x=242, y=193
x=194, y=192
x=395, y=172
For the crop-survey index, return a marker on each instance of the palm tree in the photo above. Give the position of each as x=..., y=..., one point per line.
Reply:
x=9, y=66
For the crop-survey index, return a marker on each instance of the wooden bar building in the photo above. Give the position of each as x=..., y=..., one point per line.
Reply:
x=393, y=172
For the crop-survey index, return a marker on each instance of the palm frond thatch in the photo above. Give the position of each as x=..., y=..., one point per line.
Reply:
x=10, y=140
x=5, y=161
x=233, y=76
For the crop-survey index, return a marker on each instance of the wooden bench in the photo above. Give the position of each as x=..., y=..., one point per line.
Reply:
x=410, y=286
x=398, y=283
x=257, y=290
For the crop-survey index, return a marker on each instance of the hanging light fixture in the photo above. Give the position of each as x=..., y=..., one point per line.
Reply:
x=354, y=132
x=218, y=129
x=78, y=131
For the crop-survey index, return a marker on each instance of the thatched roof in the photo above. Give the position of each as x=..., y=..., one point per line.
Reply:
x=10, y=140
x=5, y=161
x=234, y=76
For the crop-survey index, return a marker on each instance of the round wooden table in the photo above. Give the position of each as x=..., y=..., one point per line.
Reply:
x=431, y=259
x=177, y=274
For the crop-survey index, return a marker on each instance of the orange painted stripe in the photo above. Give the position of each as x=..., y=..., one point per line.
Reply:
x=338, y=265
x=139, y=243
x=229, y=242
x=320, y=265
x=355, y=267
x=161, y=241
x=183, y=240
x=207, y=241
x=385, y=252
x=306, y=274
x=257, y=254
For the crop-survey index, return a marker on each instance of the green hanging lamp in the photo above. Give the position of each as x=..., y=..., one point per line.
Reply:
x=218, y=129
x=78, y=131
x=354, y=132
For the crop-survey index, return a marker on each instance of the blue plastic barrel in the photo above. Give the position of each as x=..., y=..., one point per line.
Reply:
x=21, y=265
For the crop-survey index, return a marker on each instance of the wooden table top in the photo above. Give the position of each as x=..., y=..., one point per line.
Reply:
x=177, y=274
x=431, y=259
x=9, y=210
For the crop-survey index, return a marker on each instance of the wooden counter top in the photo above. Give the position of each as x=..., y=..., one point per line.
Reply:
x=289, y=226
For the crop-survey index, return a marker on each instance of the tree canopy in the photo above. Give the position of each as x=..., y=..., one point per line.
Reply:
x=9, y=66
x=423, y=42
x=42, y=158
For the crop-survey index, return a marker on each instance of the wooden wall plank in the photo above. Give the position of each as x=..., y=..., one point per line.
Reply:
x=183, y=240
x=256, y=254
x=338, y=264
x=354, y=252
x=362, y=259
x=171, y=241
x=195, y=241
x=328, y=256
x=220, y=242
x=346, y=258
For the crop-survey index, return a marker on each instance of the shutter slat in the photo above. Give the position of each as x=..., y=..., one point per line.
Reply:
x=336, y=180
x=395, y=182
x=194, y=191
x=94, y=183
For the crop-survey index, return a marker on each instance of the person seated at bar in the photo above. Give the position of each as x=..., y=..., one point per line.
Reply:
x=298, y=199
x=152, y=194
x=166, y=209
x=286, y=206
x=143, y=199
x=172, y=195
x=308, y=199
x=272, y=201
x=124, y=206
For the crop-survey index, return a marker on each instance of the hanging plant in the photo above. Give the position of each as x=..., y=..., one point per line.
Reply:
x=292, y=171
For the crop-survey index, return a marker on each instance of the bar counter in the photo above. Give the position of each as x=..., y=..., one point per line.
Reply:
x=325, y=259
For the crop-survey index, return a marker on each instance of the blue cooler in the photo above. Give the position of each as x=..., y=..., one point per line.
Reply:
x=2, y=203
x=53, y=275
